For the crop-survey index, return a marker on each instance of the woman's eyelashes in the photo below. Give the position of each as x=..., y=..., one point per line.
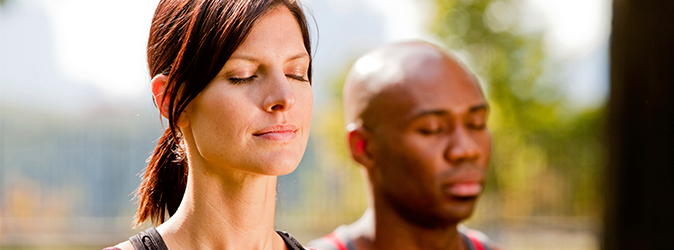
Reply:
x=300, y=78
x=242, y=80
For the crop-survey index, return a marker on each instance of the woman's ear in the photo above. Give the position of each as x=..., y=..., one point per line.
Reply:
x=158, y=87
x=360, y=144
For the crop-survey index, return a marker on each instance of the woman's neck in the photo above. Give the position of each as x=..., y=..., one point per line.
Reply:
x=231, y=210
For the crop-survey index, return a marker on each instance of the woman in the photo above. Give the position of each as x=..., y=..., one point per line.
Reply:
x=233, y=78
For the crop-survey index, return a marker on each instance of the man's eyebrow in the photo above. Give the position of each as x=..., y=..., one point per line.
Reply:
x=442, y=112
x=477, y=108
x=433, y=112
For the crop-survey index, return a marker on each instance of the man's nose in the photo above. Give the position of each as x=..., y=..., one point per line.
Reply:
x=462, y=146
x=280, y=95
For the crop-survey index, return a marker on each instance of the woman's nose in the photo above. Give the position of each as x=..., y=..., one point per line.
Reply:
x=280, y=96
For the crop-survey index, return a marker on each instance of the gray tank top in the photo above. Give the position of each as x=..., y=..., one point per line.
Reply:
x=151, y=240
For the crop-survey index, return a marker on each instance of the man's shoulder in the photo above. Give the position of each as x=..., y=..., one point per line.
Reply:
x=337, y=240
x=476, y=239
x=345, y=237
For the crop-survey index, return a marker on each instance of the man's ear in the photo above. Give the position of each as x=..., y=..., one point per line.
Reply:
x=158, y=87
x=361, y=145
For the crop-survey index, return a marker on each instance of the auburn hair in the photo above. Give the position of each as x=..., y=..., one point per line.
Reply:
x=190, y=41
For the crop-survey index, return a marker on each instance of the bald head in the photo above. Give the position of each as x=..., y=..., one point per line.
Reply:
x=390, y=67
x=418, y=125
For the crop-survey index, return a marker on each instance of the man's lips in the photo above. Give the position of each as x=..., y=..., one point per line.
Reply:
x=464, y=189
x=277, y=132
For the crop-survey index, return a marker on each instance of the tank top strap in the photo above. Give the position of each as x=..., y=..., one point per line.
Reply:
x=148, y=240
x=290, y=241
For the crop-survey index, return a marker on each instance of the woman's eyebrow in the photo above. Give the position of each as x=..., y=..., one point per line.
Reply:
x=300, y=55
x=243, y=57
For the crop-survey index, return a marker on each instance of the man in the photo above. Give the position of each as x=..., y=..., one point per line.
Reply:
x=417, y=125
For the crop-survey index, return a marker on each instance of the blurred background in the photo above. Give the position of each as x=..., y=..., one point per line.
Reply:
x=77, y=120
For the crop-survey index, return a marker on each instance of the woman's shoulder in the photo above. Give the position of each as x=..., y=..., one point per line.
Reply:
x=291, y=242
x=121, y=246
x=148, y=239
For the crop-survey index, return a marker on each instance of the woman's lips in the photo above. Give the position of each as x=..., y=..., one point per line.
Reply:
x=279, y=132
x=464, y=189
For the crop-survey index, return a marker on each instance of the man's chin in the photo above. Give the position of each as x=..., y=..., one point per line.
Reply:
x=459, y=209
x=443, y=213
x=440, y=218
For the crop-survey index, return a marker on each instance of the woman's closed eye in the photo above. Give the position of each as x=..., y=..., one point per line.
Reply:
x=242, y=80
x=296, y=77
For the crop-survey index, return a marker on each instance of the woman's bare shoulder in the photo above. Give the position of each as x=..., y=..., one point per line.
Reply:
x=121, y=246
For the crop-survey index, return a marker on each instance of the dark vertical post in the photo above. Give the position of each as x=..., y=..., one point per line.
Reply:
x=640, y=127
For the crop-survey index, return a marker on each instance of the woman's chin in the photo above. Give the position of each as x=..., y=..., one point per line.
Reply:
x=278, y=165
x=270, y=170
x=283, y=162
x=284, y=171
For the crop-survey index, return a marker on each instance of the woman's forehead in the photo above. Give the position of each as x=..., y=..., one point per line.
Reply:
x=276, y=33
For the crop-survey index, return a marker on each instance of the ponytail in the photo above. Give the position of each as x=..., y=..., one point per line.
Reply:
x=164, y=181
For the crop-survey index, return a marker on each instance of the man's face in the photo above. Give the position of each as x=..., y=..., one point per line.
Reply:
x=430, y=146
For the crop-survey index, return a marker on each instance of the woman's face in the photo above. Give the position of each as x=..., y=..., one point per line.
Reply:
x=254, y=116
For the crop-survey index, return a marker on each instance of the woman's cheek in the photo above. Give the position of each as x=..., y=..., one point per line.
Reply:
x=306, y=104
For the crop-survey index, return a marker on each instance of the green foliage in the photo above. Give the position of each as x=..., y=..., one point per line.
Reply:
x=546, y=157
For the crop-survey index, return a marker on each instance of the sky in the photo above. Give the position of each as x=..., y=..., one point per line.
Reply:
x=91, y=50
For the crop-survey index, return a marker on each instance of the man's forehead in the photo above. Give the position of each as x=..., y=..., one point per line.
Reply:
x=402, y=79
x=415, y=96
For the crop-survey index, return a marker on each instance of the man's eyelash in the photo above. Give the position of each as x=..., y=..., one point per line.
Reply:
x=479, y=126
x=432, y=131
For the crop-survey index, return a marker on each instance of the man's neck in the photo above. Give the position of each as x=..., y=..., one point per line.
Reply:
x=391, y=231
x=223, y=211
